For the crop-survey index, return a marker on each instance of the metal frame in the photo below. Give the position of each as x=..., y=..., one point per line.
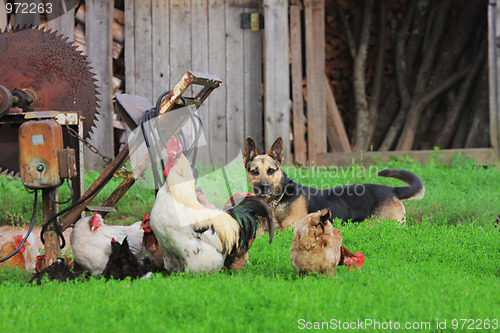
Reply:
x=170, y=102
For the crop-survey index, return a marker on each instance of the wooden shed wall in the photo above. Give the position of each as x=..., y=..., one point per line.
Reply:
x=166, y=38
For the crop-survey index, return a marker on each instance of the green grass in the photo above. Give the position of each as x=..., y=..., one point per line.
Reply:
x=411, y=273
x=459, y=192
x=443, y=265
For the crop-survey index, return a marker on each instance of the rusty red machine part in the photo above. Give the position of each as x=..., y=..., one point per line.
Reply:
x=43, y=79
x=41, y=72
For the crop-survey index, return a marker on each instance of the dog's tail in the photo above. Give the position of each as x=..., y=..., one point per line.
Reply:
x=416, y=190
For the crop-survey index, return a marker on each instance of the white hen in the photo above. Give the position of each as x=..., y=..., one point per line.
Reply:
x=91, y=242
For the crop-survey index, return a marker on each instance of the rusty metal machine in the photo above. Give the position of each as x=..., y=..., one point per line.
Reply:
x=48, y=106
x=45, y=85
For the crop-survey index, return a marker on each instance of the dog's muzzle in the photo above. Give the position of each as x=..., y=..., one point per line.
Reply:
x=263, y=189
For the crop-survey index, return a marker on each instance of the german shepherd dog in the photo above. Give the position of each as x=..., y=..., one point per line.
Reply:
x=291, y=201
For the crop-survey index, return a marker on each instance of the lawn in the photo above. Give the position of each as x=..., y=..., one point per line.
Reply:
x=443, y=265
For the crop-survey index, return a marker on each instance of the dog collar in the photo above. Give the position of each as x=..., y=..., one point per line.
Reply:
x=274, y=203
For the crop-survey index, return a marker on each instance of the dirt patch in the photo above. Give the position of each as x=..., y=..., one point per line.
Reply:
x=7, y=233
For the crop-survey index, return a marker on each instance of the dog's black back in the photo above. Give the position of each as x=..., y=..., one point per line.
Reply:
x=292, y=201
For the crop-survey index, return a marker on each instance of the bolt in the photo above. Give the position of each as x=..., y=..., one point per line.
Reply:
x=40, y=167
x=29, y=100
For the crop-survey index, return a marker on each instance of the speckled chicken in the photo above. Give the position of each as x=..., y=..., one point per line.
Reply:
x=316, y=244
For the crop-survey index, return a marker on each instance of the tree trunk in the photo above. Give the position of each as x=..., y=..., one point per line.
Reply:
x=361, y=104
x=401, y=79
x=479, y=134
x=379, y=70
x=389, y=111
x=448, y=60
x=413, y=118
x=445, y=137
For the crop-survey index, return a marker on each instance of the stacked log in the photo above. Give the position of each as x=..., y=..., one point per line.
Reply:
x=118, y=42
x=339, y=61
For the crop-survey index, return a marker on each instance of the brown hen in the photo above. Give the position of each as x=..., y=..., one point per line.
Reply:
x=316, y=244
x=16, y=260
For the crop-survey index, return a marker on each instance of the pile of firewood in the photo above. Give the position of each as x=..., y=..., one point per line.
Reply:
x=118, y=42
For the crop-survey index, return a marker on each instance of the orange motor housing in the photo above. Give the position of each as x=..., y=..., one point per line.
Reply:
x=39, y=142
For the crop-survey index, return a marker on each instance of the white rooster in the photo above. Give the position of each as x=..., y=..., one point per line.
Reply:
x=198, y=238
x=91, y=242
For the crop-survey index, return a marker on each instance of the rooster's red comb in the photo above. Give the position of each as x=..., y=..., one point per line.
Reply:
x=174, y=146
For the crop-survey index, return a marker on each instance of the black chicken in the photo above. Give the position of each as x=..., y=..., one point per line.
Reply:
x=122, y=263
x=59, y=271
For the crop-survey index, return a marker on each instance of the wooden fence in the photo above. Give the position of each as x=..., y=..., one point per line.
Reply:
x=164, y=39
x=262, y=95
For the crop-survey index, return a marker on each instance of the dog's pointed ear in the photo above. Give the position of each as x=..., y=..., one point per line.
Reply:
x=276, y=151
x=249, y=151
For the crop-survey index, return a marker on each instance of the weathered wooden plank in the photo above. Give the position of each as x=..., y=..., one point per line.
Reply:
x=143, y=49
x=276, y=74
x=235, y=116
x=24, y=17
x=180, y=39
x=64, y=24
x=315, y=71
x=337, y=136
x=161, y=47
x=98, y=30
x=129, y=52
x=217, y=66
x=485, y=156
x=3, y=15
x=299, y=121
x=199, y=60
x=252, y=81
x=494, y=73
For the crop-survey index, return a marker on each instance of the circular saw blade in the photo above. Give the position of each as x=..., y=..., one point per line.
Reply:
x=54, y=70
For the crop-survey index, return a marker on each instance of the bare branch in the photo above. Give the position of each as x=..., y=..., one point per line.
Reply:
x=401, y=69
x=379, y=70
x=406, y=141
x=432, y=48
x=401, y=79
x=348, y=32
x=445, y=137
x=361, y=104
x=413, y=118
